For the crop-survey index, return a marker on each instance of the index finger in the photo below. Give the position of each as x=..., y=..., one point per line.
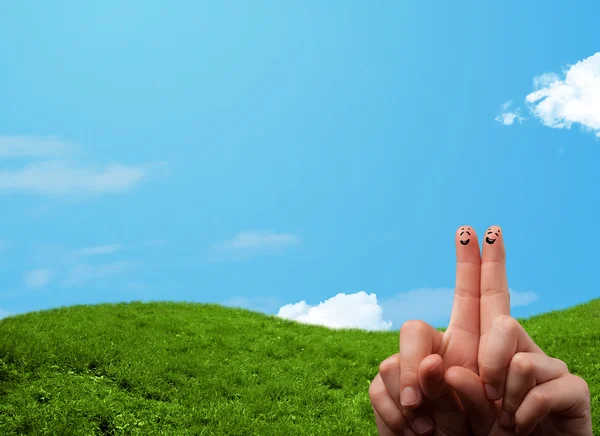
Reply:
x=495, y=299
x=465, y=309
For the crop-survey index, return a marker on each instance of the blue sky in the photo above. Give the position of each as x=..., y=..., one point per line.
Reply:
x=283, y=152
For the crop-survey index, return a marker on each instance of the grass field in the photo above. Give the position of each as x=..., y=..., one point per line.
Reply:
x=166, y=368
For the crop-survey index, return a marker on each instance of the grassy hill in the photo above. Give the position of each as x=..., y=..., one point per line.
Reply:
x=166, y=368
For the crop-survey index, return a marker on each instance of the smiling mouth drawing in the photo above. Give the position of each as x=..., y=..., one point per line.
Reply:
x=468, y=233
x=489, y=241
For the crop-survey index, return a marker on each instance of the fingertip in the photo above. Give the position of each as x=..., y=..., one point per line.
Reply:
x=410, y=397
x=465, y=236
x=431, y=376
x=493, y=240
x=450, y=374
x=431, y=364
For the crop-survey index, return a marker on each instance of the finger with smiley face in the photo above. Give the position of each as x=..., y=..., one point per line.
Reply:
x=464, y=235
x=492, y=234
x=495, y=298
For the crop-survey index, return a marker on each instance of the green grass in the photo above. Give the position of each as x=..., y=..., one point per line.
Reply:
x=166, y=368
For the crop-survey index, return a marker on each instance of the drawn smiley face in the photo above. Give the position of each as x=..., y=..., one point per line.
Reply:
x=465, y=232
x=492, y=235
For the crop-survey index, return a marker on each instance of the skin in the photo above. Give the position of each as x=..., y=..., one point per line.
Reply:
x=484, y=375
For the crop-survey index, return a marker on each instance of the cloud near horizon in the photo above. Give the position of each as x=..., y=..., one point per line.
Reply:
x=561, y=102
x=56, y=176
x=359, y=310
x=362, y=311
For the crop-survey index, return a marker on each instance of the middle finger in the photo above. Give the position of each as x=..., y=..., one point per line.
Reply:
x=495, y=299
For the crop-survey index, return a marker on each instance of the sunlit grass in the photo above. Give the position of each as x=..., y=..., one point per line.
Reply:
x=166, y=368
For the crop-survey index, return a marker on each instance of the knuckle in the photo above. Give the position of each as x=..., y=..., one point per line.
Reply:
x=538, y=397
x=489, y=370
x=522, y=364
x=506, y=323
x=564, y=368
x=396, y=422
x=413, y=326
x=509, y=403
x=585, y=389
x=376, y=391
x=389, y=365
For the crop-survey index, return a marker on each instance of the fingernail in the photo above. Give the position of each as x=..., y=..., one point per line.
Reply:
x=422, y=424
x=491, y=392
x=506, y=419
x=409, y=396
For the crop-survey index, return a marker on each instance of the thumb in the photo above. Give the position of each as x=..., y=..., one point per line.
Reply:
x=482, y=413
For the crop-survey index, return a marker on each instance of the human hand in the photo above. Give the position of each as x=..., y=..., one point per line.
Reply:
x=539, y=395
x=501, y=365
x=429, y=404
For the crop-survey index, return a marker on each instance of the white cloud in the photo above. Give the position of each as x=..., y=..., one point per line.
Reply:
x=506, y=105
x=38, y=278
x=49, y=172
x=559, y=103
x=34, y=146
x=359, y=310
x=507, y=117
x=83, y=273
x=56, y=178
x=434, y=306
x=100, y=249
x=253, y=243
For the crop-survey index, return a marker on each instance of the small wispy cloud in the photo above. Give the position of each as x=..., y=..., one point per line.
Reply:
x=55, y=178
x=77, y=256
x=37, y=279
x=35, y=146
x=81, y=274
x=51, y=170
x=254, y=243
x=100, y=249
x=508, y=117
x=359, y=310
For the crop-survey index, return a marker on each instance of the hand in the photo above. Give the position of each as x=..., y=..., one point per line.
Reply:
x=397, y=391
x=539, y=395
x=538, y=411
